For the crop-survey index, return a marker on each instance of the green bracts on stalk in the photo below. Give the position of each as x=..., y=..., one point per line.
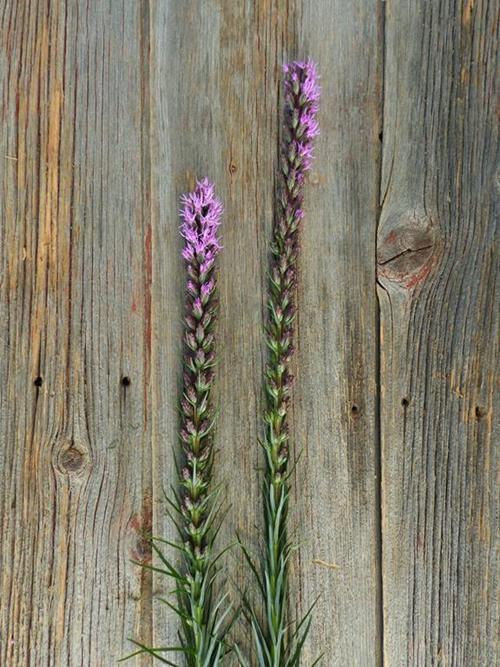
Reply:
x=194, y=507
x=276, y=642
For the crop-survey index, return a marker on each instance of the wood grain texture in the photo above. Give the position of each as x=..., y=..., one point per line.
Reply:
x=75, y=456
x=334, y=421
x=439, y=324
x=110, y=110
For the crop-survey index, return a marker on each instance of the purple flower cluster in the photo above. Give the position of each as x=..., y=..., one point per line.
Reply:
x=201, y=217
x=300, y=126
x=302, y=94
x=201, y=214
x=299, y=129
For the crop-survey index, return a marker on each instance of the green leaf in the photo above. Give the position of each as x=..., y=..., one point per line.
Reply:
x=154, y=652
x=249, y=561
x=241, y=659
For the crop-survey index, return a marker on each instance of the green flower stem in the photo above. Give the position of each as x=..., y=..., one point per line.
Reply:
x=194, y=506
x=275, y=643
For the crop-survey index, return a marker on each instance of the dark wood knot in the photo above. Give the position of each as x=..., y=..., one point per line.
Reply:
x=72, y=460
x=406, y=248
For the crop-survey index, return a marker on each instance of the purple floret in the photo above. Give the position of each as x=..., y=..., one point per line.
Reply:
x=302, y=93
x=201, y=216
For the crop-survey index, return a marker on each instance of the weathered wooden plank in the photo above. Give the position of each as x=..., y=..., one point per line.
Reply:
x=215, y=73
x=336, y=393
x=74, y=297
x=438, y=324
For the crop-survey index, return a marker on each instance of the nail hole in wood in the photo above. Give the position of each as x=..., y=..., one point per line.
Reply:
x=355, y=409
x=232, y=168
x=125, y=381
x=405, y=402
x=480, y=412
x=38, y=381
x=380, y=136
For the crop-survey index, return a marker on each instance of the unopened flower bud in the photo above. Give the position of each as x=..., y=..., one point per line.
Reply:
x=197, y=308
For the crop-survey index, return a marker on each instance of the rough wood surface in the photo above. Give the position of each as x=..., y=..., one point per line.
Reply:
x=75, y=450
x=336, y=392
x=439, y=309
x=109, y=112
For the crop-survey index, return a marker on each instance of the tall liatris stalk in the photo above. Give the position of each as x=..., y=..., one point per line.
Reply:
x=194, y=504
x=277, y=645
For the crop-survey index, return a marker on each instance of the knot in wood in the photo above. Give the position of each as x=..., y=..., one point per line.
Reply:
x=406, y=248
x=72, y=460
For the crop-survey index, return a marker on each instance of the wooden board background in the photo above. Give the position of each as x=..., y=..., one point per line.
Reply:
x=110, y=110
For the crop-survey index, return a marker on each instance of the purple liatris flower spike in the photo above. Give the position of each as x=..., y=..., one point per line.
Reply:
x=195, y=504
x=201, y=217
x=201, y=213
x=275, y=642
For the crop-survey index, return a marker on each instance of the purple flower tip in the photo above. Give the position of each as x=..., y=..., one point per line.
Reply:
x=201, y=216
x=303, y=74
x=302, y=93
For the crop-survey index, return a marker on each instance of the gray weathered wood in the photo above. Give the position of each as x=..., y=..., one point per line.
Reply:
x=438, y=323
x=75, y=487
x=109, y=112
x=336, y=392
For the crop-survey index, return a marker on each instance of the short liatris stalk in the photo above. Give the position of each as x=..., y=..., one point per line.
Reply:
x=276, y=644
x=195, y=507
x=201, y=214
